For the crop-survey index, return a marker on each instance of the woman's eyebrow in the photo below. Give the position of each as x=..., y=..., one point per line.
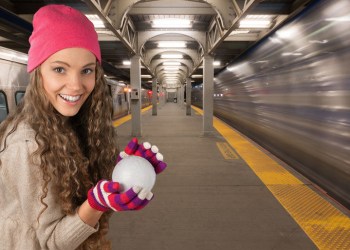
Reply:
x=61, y=62
x=89, y=64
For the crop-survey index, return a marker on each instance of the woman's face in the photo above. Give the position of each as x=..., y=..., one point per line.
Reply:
x=69, y=78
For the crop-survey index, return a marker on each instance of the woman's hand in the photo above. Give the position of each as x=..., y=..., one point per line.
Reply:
x=105, y=195
x=144, y=150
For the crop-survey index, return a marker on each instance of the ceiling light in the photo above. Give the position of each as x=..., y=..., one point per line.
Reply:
x=172, y=75
x=171, y=56
x=146, y=76
x=254, y=24
x=255, y=21
x=126, y=62
x=216, y=63
x=235, y=32
x=171, y=68
x=97, y=22
x=197, y=76
x=171, y=23
x=171, y=63
x=172, y=44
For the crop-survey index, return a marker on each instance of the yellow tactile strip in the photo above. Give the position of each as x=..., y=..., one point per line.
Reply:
x=126, y=118
x=227, y=152
x=325, y=225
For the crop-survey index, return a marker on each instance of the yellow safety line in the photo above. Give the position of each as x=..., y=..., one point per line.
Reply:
x=126, y=118
x=227, y=151
x=325, y=225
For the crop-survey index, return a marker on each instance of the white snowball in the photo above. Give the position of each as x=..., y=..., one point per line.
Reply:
x=134, y=171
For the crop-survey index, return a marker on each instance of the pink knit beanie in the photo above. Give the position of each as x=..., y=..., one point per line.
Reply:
x=58, y=27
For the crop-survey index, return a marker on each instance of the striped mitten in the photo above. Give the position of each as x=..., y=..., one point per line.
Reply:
x=105, y=196
x=147, y=151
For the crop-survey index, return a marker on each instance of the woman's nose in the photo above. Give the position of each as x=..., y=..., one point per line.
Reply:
x=75, y=81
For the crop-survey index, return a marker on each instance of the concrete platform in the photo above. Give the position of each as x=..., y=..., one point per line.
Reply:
x=202, y=201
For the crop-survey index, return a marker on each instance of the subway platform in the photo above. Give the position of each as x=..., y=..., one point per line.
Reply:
x=223, y=192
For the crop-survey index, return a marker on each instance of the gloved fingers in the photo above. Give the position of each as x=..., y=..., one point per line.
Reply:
x=151, y=153
x=157, y=161
x=132, y=146
x=149, y=197
x=154, y=149
x=160, y=167
x=109, y=186
x=126, y=197
x=140, y=200
x=130, y=200
x=142, y=149
x=121, y=156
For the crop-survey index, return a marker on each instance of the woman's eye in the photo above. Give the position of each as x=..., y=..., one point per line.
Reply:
x=59, y=70
x=87, y=71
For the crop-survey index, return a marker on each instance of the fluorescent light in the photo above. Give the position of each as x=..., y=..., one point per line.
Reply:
x=216, y=63
x=197, y=76
x=171, y=68
x=146, y=76
x=169, y=71
x=254, y=24
x=172, y=56
x=172, y=75
x=171, y=23
x=97, y=22
x=171, y=44
x=255, y=21
x=126, y=62
x=235, y=32
x=171, y=63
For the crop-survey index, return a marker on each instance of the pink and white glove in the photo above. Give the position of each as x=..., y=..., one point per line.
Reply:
x=105, y=196
x=144, y=150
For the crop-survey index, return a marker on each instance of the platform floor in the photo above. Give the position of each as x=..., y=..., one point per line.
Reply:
x=202, y=200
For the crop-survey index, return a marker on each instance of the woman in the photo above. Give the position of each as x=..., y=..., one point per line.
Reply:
x=60, y=143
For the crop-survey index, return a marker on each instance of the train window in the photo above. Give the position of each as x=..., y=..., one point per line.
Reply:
x=3, y=106
x=18, y=96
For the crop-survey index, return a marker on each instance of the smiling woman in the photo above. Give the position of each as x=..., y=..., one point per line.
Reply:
x=59, y=144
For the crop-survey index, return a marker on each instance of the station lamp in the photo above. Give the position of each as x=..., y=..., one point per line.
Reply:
x=171, y=23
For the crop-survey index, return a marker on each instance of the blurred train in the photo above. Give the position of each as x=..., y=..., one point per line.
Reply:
x=291, y=94
x=14, y=80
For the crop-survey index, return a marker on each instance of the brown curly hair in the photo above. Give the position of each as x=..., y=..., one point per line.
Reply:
x=75, y=153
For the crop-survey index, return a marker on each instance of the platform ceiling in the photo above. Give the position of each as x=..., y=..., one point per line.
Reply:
x=215, y=30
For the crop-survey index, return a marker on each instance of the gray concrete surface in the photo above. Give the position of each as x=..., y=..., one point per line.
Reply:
x=202, y=201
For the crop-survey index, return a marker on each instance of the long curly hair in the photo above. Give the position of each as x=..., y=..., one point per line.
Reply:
x=75, y=153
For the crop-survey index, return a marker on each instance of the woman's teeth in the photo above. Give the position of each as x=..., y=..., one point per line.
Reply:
x=70, y=98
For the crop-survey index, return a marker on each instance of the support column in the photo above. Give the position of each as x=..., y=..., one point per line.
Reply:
x=180, y=99
x=154, y=96
x=188, y=96
x=208, y=91
x=135, y=84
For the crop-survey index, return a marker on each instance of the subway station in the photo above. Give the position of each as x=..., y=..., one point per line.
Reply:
x=247, y=100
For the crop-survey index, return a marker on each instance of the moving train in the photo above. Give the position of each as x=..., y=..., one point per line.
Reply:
x=291, y=94
x=14, y=80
